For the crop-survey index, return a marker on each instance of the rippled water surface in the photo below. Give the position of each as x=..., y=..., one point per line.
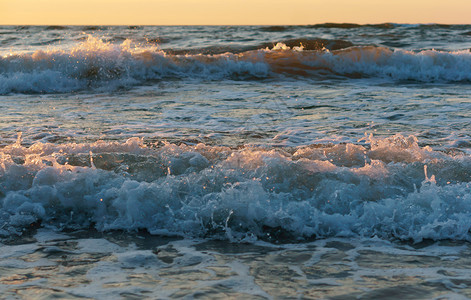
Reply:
x=322, y=161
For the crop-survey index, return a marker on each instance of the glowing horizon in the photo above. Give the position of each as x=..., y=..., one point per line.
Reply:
x=230, y=12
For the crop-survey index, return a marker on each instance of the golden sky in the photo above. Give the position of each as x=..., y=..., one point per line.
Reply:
x=231, y=12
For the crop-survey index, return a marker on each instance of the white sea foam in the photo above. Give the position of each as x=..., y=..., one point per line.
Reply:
x=321, y=191
x=104, y=66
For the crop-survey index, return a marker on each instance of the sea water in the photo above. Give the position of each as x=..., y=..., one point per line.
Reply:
x=263, y=162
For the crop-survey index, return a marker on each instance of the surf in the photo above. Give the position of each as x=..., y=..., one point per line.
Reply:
x=98, y=65
x=390, y=188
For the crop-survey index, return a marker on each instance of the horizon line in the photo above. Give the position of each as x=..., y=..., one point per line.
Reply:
x=305, y=24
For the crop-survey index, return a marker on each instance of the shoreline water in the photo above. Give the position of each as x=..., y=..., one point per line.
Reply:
x=129, y=265
x=263, y=162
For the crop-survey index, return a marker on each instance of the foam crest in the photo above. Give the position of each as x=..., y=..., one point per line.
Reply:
x=372, y=61
x=239, y=194
x=94, y=64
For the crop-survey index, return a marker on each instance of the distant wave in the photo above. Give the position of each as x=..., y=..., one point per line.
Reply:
x=282, y=28
x=56, y=27
x=311, y=44
x=353, y=25
x=391, y=188
x=262, y=28
x=94, y=64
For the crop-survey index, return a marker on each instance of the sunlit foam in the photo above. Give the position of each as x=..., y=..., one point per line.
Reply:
x=391, y=188
x=100, y=65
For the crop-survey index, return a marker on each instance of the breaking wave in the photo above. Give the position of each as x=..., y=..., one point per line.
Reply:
x=391, y=188
x=95, y=64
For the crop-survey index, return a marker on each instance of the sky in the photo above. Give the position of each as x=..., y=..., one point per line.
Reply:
x=231, y=12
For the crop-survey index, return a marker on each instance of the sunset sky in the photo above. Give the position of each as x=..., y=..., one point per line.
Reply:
x=231, y=12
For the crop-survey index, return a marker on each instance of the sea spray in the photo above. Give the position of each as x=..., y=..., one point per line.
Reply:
x=102, y=66
x=320, y=191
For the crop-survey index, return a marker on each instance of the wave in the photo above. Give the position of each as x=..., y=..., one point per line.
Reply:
x=282, y=28
x=309, y=44
x=354, y=25
x=276, y=28
x=96, y=64
x=56, y=27
x=388, y=25
x=391, y=188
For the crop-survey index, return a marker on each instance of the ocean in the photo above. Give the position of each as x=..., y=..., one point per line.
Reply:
x=328, y=161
